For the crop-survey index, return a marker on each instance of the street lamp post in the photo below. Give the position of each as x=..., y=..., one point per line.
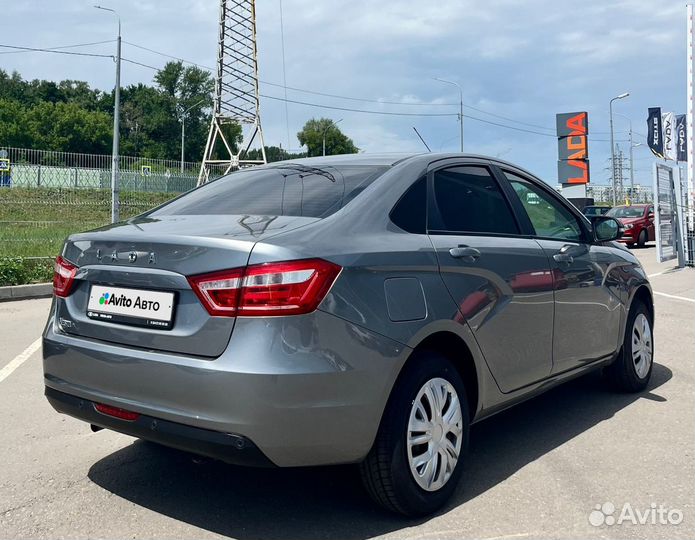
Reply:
x=183, y=130
x=332, y=123
x=460, y=103
x=610, y=109
x=115, y=203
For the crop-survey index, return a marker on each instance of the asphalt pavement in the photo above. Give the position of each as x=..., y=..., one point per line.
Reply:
x=538, y=470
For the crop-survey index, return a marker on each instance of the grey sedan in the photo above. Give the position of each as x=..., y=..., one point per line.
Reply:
x=350, y=309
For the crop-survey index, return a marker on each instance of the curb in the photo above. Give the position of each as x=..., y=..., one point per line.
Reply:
x=25, y=292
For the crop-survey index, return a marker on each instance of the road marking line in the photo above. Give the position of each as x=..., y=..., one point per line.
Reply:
x=670, y=296
x=19, y=360
x=657, y=274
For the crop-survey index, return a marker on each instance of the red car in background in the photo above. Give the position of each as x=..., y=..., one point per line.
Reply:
x=638, y=220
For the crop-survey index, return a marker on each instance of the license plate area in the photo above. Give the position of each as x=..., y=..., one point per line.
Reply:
x=136, y=307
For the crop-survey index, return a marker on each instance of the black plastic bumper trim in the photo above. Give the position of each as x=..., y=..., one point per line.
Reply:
x=227, y=447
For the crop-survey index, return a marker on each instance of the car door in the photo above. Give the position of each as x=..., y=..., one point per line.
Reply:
x=587, y=298
x=500, y=281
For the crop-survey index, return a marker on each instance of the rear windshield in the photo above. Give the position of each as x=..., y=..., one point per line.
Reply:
x=285, y=190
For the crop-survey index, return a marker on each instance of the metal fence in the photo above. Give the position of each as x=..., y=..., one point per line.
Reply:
x=46, y=195
x=40, y=168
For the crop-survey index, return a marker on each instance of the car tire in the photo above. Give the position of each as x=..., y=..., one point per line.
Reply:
x=632, y=369
x=642, y=239
x=399, y=452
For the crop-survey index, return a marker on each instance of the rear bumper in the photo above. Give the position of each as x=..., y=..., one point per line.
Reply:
x=307, y=390
x=227, y=447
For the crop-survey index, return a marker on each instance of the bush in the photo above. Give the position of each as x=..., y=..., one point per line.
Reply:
x=18, y=271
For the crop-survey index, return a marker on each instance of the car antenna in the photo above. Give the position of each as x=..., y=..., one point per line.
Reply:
x=423, y=140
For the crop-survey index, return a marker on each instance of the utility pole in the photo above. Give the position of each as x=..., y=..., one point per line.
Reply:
x=115, y=203
x=610, y=109
x=183, y=130
x=632, y=161
x=331, y=124
x=619, y=180
x=460, y=115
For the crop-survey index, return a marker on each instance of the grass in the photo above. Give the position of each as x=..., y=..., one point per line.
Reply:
x=34, y=223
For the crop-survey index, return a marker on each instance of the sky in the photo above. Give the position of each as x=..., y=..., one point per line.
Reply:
x=519, y=63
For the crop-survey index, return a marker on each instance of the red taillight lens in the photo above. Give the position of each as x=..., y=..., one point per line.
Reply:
x=287, y=288
x=63, y=276
x=117, y=412
x=219, y=291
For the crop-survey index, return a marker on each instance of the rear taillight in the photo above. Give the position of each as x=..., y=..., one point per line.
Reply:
x=63, y=276
x=286, y=288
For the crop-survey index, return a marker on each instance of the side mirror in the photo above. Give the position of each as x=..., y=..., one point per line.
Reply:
x=650, y=216
x=606, y=228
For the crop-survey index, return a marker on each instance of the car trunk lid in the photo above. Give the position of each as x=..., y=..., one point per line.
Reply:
x=145, y=257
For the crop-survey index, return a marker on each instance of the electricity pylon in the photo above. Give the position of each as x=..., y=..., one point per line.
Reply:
x=236, y=89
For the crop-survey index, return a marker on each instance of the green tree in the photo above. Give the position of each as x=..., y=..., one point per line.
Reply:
x=273, y=153
x=67, y=127
x=149, y=126
x=312, y=135
x=189, y=90
x=12, y=121
x=71, y=116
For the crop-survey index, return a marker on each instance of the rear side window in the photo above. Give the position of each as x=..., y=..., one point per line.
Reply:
x=468, y=200
x=410, y=211
x=287, y=190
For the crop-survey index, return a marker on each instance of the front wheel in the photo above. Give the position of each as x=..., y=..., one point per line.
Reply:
x=415, y=463
x=632, y=369
x=642, y=240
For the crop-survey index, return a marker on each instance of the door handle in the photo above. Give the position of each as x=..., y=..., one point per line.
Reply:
x=464, y=252
x=563, y=258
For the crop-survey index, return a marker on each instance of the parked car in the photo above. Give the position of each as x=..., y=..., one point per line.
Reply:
x=590, y=211
x=350, y=309
x=638, y=223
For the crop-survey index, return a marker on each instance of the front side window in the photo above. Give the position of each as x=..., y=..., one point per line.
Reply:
x=549, y=217
x=467, y=199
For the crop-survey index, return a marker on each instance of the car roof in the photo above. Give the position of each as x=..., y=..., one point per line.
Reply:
x=381, y=159
x=390, y=158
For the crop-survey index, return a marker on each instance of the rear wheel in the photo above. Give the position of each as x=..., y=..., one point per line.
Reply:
x=630, y=372
x=415, y=463
x=642, y=238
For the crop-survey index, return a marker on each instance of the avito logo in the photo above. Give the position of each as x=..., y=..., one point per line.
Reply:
x=110, y=299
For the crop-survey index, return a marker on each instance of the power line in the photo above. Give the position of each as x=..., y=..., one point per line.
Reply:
x=52, y=49
x=33, y=49
x=347, y=98
x=139, y=63
x=168, y=55
x=348, y=109
x=308, y=104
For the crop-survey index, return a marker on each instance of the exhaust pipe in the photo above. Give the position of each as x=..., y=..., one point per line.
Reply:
x=95, y=428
